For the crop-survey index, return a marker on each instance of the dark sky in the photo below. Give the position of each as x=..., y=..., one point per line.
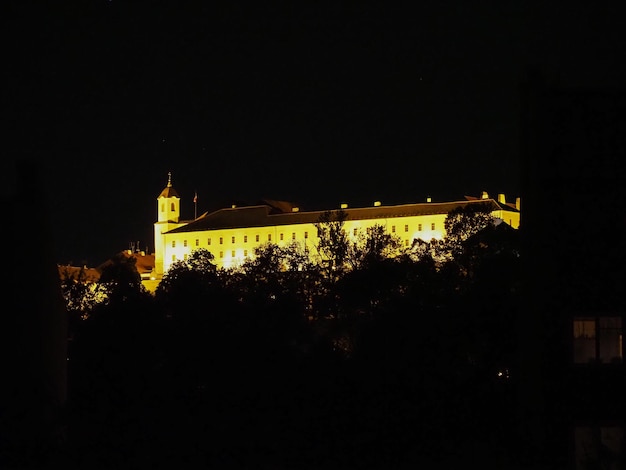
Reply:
x=315, y=104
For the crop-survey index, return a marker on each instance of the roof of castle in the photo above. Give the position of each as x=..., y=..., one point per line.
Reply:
x=276, y=213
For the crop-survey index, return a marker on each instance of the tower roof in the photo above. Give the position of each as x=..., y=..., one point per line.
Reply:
x=169, y=191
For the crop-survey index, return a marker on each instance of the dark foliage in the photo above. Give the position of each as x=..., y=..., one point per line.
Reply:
x=393, y=363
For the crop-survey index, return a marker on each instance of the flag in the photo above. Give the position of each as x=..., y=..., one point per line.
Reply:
x=195, y=197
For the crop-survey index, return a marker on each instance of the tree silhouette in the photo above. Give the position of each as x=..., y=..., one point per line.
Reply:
x=333, y=245
x=121, y=279
x=465, y=221
x=379, y=350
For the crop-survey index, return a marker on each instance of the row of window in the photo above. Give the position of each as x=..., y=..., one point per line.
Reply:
x=406, y=241
x=257, y=238
x=293, y=236
x=245, y=252
x=406, y=228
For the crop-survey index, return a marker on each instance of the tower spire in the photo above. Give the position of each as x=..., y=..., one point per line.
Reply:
x=169, y=179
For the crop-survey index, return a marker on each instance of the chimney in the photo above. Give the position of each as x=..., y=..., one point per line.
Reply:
x=484, y=195
x=501, y=198
x=428, y=199
x=376, y=203
x=344, y=205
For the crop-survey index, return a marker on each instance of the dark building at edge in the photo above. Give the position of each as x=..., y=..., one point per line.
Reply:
x=571, y=373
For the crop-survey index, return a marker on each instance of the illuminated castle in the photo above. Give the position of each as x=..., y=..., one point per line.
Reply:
x=233, y=233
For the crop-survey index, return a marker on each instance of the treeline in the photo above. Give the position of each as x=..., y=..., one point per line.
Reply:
x=367, y=353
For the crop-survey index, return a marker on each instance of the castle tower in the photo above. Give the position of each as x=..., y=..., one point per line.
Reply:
x=168, y=216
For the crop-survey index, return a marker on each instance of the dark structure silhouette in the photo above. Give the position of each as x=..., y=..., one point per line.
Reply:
x=572, y=409
x=34, y=324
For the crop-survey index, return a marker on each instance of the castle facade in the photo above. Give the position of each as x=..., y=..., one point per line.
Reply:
x=232, y=234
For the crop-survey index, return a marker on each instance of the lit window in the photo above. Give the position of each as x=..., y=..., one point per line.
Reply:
x=221, y=240
x=598, y=446
x=208, y=241
x=432, y=226
x=306, y=234
x=185, y=243
x=419, y=227
x=598, y=340
x=406, y=228
x=173, y=243
x=257, y=238
x=197, y=242
x=245, y=238
x=293, y=236
x=232, y=240
x=281, y=237
x=393, y=229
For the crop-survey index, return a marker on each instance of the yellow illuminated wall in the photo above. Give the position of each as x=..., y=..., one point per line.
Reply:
x=232, y=246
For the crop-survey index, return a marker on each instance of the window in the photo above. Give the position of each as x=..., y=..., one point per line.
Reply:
x=257, y=238
x=281, y=237
x=245, y=252
x=173, y=243
x=354, y=232
x=406, y=228
x=172, y=207
x=173, y=258
x=184, y=243
x=245, y=238
x=432, y=226
x=419, y=227
x=221, y=240
x=221, y=254
x=598, y=340
x=185, y=256
x=197, y=242
x=232, y=253
x=306, y=234
x=406, y=242
x=232, y=240
x=393, y=229
x=269, y=237
x=208, y=241
x=598, y=447
x=293, y=236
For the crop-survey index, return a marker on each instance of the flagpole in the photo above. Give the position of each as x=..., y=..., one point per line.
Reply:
x=195, y=205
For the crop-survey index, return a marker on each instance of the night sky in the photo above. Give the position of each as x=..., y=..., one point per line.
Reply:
x=318, y=104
